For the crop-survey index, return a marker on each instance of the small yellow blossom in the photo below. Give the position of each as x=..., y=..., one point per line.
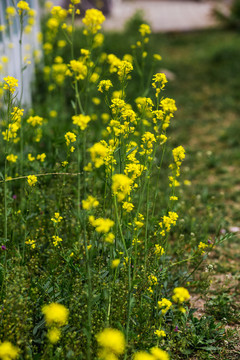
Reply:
x=89, y=203
x=41, y=157
x=70, y=137
x=115, y=263
x=159, y=250
x=32, y=180
x=160, y=333
x=56, y=240
x=31, y=242
x=144, y=29
x=57, y=218
x=164, y=305
x=101, y=225
x=180, y=295
x=12, y=158
x=81, y=121
x=104, y=85
x=30, y=157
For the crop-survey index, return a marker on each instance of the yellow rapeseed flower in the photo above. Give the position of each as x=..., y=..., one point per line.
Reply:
x=12, y=158
x=93, y=20
x=11, y=84
x=121, y=186
x=32, y=180
x=180, y=295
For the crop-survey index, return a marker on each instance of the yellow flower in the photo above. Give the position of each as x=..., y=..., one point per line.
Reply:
x=30, y=157
x=89, y=203
x=78, y=68
x=93, y=20
x=180, y=295
x=54, y=335
x=70, y=137
x=121, y=186
x=159, y=354
x=144, y=29
x=160, y=333
x=164, y=305
x=115, y=263
x=8, y=351
x=32, y=180
x=143, y=355
x=127, y=206
x=12, y=158
x=101, y=225
x=56, y=240
x=53, y=113
x=10, y=12
x=31, y=242
x=111, y=340
x=11, y=84
x=178, y=155
x=98, y=154
x=159, y=250
x=109, y=238
x=57, y=218
x=81, y=121
x=22, y=5
x=35, y=120
x=104, y=85
x=55, y=314
x=41, y=157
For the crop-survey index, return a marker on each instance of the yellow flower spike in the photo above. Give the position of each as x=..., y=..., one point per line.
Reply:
x=121, y=186
x=144, y=30
x=70, y=137
x=93, y=20
x=10, y=84
x=22, y=6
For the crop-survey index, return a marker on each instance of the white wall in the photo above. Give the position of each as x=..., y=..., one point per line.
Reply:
x=9, y=46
